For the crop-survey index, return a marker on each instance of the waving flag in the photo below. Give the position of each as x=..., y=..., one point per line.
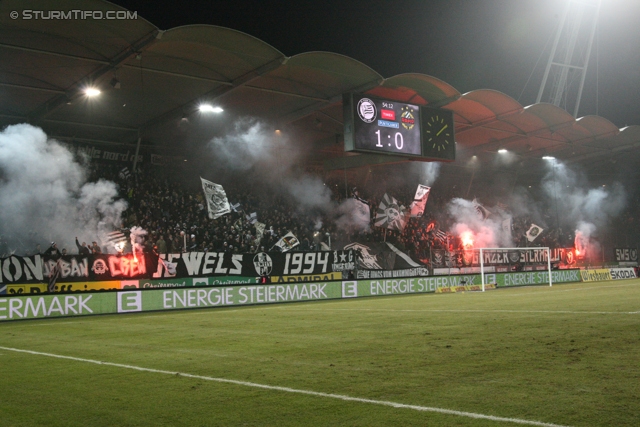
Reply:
x=483, y=212
x=419, y=201
x=288, y=242
x=533, y=232
x=390, y=215
x=217, y=202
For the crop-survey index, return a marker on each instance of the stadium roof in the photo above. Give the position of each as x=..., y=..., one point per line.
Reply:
x=162, y=76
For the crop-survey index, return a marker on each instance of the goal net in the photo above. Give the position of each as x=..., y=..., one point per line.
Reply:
x=514, y=259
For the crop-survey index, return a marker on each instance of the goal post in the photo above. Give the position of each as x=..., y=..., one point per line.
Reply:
x=510, y=251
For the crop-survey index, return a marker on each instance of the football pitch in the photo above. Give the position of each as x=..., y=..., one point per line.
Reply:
x=567, y=355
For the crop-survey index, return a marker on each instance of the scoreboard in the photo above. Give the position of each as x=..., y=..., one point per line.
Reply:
x=374, y=125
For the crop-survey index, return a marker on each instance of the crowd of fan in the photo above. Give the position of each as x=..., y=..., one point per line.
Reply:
x=176, y=219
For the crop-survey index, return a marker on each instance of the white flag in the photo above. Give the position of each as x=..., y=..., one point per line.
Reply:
x=259, y=230
x=288, y=242
x=217, y=202
x=483, y=212
x=533, y=232
x=507, y=225
x=252, y=218
x=169, y=266
x=419, y=201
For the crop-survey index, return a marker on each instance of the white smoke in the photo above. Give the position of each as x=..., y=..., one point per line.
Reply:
x=487, y=233
x=137, y=237
x=45, y=197
x=427, y=172
x=350, y=216
x=576, y=202
x=309, y=192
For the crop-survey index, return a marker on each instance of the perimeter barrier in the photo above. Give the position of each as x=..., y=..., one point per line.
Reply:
x=143, y=296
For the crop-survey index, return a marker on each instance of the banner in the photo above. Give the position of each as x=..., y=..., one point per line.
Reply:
x=442, y=258
x=416, y=208
x=217, y=202
x=105, y=268
x=382, y=256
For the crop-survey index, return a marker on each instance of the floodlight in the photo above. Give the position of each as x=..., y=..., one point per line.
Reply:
x=91, y=92
x=548, y=157
x=208, y=108
x=502, y=151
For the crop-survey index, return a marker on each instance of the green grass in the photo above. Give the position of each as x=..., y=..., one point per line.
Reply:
x=567, y=355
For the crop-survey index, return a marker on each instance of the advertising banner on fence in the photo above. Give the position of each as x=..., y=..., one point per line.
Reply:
x=623, y=273
x=596, y=275
x=533, y=278
x=139, y=296
x=131, y=301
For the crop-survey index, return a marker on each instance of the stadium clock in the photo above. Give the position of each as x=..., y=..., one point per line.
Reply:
x=373, y=125
x=437, y=135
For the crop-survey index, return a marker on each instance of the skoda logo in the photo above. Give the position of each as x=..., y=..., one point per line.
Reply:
x=367, y=110
x=263, y=264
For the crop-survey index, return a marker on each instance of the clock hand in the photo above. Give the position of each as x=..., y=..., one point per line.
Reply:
x=440, y=131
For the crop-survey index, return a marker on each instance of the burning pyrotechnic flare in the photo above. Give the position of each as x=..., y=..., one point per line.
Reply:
x=467, y=239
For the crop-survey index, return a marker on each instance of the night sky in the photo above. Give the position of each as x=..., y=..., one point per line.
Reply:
x=470, y=44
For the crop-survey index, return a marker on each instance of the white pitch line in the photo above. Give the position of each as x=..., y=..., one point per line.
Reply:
x=298, y=391
x=458, y=310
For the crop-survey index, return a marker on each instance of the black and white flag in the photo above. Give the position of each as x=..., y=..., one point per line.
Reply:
x=533, y=232
x=117, y=239
x=288, y=242
x=419, y=201
x=441, y=236
x=125, y=173
x=390, y=215
x=54, y=275
x=217, y=202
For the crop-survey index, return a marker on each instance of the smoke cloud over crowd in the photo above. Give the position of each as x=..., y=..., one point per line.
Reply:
x=44, y=194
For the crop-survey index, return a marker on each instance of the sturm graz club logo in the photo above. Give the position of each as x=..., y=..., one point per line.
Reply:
x=367, y=110
x=514, y=256
x=263, y=264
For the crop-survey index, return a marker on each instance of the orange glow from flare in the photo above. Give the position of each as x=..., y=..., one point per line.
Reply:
x=577, y=252
x=467, y=239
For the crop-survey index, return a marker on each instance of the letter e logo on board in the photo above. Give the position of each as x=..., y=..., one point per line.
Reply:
x=129, y=302
x=349, y=289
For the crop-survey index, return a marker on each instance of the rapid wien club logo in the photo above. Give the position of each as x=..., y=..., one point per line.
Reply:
x=407, y=118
